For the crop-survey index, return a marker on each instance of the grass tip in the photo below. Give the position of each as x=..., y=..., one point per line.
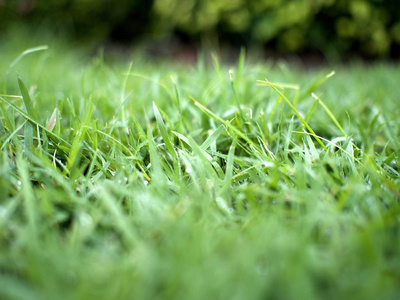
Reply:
x=230, y=72
x=331, y=74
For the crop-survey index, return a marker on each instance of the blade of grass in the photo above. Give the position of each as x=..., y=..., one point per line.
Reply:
x=166, y=138
x=121, y=221
x=205, y=158
x=9, y=121
x=28, y=136
x=230, y=126
x=217, y=65
x=53, y=120
x=163, y=131
x=274, y=87
x=157, y=172
x=311, y=111
x=326, y=140
x=330, y=114
x=54, y=137
x=182, y=137
x=26, y=52
x=212, y=138
x=316, y=84
x=232, y=84
x=228, y=170
x=30, y=208
x=27, y=100
x=123, y=92
x=80, y=133
x=12, y=135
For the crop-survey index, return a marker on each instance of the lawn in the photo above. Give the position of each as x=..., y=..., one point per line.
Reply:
x=126, y=178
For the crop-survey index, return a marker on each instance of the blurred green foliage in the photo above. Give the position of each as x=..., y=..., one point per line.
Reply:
x=91, y=20
x=369, y=27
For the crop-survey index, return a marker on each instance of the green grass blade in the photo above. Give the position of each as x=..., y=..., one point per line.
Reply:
x=274, y=87
x=12, y=135
x=28, y=136
x=217, y=65
x=26, y=52
x=232, y=84
x=51, y=123
x=311, y=111
x=228, y=170
x=182, y=137
x=60, y=142
x=163, y=130
x=157, y=175
x=30, y=207
x=330, y=114
x=230, y=126
x=115, y=210
x=205, y=158
x=27, y=100
x=212, y=138
x=80, y=134
x=316, y=84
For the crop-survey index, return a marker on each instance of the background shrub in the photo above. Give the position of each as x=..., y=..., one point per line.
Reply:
x=368, y=27
x=90, y=20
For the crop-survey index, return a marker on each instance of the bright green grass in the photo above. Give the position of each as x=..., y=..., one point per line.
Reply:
x=162, y=181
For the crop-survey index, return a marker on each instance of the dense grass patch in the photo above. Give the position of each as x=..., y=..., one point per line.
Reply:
x=159, y=180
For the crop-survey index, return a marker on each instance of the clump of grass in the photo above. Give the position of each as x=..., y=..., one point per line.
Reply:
x=127, y=180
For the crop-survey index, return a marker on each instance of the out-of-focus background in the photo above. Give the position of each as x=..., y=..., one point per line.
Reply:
x=333, y=29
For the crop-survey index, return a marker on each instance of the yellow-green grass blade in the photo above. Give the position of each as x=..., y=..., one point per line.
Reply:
x=330, y=114
x=27, y=100
x=275, y=88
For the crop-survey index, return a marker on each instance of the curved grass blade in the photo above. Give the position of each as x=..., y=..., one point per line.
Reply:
x=229, y=169
x=52, y=121
x=26, y=52
x=275, y=88
x=330, y=114
x=228, y=125
x=163, y=130
x=54, y=137
x=213, y=137
x=27, y=99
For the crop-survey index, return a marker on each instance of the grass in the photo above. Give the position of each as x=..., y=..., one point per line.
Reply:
x=159, y=180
